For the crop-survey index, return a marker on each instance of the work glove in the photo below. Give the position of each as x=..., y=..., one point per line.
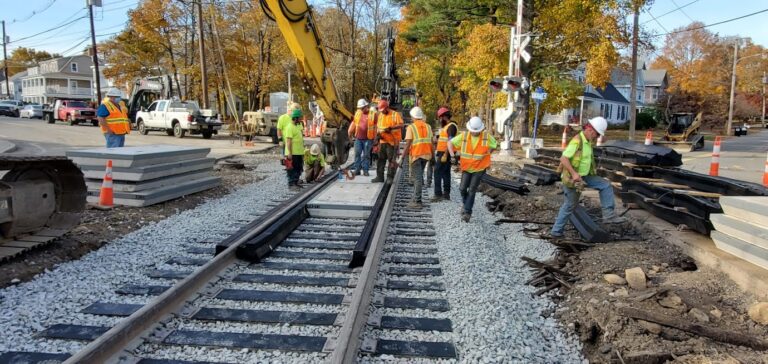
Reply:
x=444, y=158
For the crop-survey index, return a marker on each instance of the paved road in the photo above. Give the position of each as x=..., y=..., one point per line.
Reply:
x=38, y=138
x=740, y=157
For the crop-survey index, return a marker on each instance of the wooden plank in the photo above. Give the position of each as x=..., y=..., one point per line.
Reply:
x=644, y=179
x=698, y=193
x=669, y=185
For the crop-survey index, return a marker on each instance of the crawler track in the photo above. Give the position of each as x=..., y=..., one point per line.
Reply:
x=302, y=298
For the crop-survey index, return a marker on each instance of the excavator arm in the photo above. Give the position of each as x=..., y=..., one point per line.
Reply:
x=296, y=22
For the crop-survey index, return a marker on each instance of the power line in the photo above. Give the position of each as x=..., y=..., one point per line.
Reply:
x=713, y=24
x=34, y=12
x=64, y=54
x=47, y=30
x=657, y=21
x=682, y=11
x=672, y=11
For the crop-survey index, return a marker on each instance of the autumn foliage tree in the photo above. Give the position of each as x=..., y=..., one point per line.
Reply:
x=22, y=58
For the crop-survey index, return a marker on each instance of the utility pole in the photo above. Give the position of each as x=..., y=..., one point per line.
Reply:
x=729, y=125
x=203, y=73
x=762, y=118
x=633, y=81
x=93, y=49
x=5, y=63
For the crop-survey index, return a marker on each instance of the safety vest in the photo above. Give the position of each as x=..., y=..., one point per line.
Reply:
x=394, y=121
x=477, y=158
x=371, y=133
x=442, y=140
x=117, y=121
x=422, y=139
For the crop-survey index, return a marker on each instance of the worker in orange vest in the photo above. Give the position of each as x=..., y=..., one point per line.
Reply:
x=448, y=130
x=362, y=130
x=388, y=135
x=113, y=119
x=418, y=146
x=476, y=146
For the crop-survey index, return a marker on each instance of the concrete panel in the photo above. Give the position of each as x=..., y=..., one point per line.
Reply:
x=136, y=156
x=129, y=186
x=751, y=253
x=346, y=199
x=150, y=172
x=151, y=197
x=740, y=229
x=753, y=209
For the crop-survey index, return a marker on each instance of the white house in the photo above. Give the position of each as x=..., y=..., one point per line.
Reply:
x=607, y=102
x=621, y=79
x=66, y=77
x=656, y=83
x=15, y=85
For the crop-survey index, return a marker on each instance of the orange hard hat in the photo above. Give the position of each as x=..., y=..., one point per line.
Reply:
x=383, y=104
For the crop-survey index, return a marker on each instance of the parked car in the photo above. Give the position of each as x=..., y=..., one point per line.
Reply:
x=177, y=118
x=10, y=107
x=70, y=111
x=31, y=111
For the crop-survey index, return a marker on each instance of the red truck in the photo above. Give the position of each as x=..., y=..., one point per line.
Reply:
x=70, y=111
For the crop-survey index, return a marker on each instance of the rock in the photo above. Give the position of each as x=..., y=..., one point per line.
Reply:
x=588, y=287
x=635, y=278
x=621, y=292
x=606, y=348
x=615, y=279
x=716, y=313
x=759, y=313
x=657, y=268
x=651, y=327
x=699, y=315
x=671, y=300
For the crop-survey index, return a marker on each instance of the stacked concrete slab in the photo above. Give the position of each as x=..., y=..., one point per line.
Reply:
x=147, y=175
x=742, y=229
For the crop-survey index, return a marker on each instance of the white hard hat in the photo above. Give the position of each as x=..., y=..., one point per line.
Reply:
x=417, y=113
x=114, y=93
x=314, y=149
x=361, y=103
x=475, y=124
x=599, y=124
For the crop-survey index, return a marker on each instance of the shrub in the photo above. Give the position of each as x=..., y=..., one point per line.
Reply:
x=645, y=121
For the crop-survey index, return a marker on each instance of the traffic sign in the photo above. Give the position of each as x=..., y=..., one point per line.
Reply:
x=520, y=48
x=539, y=95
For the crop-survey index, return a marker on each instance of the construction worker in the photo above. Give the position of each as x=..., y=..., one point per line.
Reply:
x=388, y=135
x=113, y=119
x=314, y=163
x=418, y=147
x=362, y=130
x=294, y=148
x=578, y=164
x=448, y=130
x=476, y=146
x=285, y=120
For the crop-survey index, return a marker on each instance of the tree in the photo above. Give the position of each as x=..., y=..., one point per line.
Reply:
x=22, y=58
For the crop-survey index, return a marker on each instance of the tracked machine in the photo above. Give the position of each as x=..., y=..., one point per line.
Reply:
x=682, y=133
x=41, y=198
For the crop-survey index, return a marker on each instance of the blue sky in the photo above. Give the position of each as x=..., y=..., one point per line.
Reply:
x=28, y=17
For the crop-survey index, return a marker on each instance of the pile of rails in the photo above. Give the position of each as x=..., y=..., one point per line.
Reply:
x=646, y=176
x=147, y=175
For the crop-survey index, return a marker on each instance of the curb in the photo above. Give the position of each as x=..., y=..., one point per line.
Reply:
x=6, y=146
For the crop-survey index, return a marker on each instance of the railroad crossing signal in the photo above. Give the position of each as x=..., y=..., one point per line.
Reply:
x=520, y=48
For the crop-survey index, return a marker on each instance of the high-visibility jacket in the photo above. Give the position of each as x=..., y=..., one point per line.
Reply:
x=422, y=140
x=475, y=158
x=371, y=133
x=394, y=121
x=117, y=120
x=443, y=138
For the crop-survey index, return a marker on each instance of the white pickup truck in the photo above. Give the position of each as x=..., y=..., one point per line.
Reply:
x=177, y=118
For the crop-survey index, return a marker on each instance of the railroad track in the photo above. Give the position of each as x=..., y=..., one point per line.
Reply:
x=317, y=289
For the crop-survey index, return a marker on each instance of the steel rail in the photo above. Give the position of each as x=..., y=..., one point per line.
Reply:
x=107, y=347
x=347, y=343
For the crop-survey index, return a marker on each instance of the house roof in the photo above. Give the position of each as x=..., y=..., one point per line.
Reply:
x=62, y=75
x=18, y=76
x=609, y=93
x=654, y=77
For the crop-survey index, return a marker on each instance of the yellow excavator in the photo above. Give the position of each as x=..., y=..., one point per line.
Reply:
x=683, y=132
x=296, y=22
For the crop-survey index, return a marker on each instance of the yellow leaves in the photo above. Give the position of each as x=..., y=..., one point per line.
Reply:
x=483, y=57
x=603, y=58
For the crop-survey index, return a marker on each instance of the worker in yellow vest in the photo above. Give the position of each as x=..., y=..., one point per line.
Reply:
x=448, y=130
x=418, y=147
x=113, y=120
x=362, y=130
x=476, y=146
x=388, y=135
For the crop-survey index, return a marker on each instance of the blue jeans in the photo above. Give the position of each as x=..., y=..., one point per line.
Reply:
x=572, y=199
x=442, y=176
x=362, y=155
x=114, y=140
x=468, y=188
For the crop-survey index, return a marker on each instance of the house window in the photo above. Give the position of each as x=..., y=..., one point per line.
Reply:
x=73, y=67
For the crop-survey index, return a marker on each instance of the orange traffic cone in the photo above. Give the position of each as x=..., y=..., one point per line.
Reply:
x=649, y=138
x=106, y=195
x=564, y=141
x=714, y=167
x=765, y=173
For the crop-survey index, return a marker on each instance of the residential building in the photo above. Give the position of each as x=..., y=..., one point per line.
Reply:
x=621, y=78
x=656, y=83
x=15, y=84
x=607, y=102
x=59, y=78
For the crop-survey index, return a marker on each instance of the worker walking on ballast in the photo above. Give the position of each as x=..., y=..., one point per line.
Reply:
x=418, y=147
x=442, y=172
x=389, y=133
x=476, y=146
x=578, y=171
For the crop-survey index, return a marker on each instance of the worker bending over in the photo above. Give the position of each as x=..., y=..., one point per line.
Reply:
x=418, y=147
x=389, y=134
x=578, y=164
x=476, y=146
x=294, y=149
x=362, y=130
x=448, y=130
x=113, y=119
x=314, y=162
